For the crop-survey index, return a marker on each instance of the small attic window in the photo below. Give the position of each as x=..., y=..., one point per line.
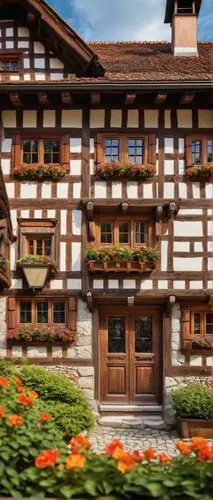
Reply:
x=185, y=6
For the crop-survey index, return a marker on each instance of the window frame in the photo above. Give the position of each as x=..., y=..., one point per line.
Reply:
x=10, y=57
x=187, y=314
x=115, y=220
x=41, y=152
x=204, y=154
x=149, y=146
x=34, y=311
x=37, y=228
x=36, y=237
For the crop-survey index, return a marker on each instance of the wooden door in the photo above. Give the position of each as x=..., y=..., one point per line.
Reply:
x=129, y=355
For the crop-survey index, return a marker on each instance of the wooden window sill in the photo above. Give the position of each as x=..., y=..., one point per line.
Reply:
x=122, y=267
x=22, y=343
x=198, y=352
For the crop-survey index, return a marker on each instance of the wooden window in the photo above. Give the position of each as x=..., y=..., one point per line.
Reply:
x=199, y=150
x=48, y=312
x=41, y=151
x=39, y=246
x=135, y=148
x=10, y=63
x=124, y=231
x=197, y=322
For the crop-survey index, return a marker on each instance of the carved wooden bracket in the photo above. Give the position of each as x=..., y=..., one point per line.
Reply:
x=131, y=301
x=170, y=302
x=89, y=299
x=124, y=208
x=210, y=299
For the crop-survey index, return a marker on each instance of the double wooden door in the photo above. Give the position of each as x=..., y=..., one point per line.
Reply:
x=129, y=355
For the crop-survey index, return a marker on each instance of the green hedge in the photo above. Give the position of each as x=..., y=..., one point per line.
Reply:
x=192, y=401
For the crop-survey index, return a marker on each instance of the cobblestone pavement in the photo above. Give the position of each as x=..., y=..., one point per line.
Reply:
x=133, y=438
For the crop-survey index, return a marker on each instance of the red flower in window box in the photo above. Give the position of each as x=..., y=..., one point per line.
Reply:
x=36, y=333
x=127, y=170
x=37, y=171
x=199, y=172
x=197, y=343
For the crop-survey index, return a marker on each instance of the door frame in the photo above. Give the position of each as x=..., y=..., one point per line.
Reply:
x=137, y=309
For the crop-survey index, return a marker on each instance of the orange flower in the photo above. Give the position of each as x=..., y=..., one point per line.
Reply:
x=205, y=454
x=137, y=456
x=111, y=447
x=75, y=461
x=33, y=395
x=3, y=382
x=80, y=441
x=150, y=453
x=45, y=416
x=24, y=400
x=20, y=388
x=15, y=420
x=2, y=412
x=164, y=458
x=46, y=458
x=184, y=448
x=125, y=460
x=17, y=380
x=197, y=443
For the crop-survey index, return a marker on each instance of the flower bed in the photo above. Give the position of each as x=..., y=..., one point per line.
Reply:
x=119, y=258
x=41, y=334
x=199, y=172
x=124, y=170
x=36, y=171
x=36, y=463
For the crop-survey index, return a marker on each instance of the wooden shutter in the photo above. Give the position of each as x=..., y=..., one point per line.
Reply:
x=186, y=321
x=188, y=151
x=11, y=313
x=72, y=310
x=98, y=149
x=65, y=152
x=16, y=151
x=152, y=149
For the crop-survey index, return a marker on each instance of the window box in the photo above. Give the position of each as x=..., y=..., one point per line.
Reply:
x=123, y=266
x=191, y=427
x=39, y=171
x=199, y=172
x=36, y=270
x=40, y=335
x=40, y=343
x=118, y=170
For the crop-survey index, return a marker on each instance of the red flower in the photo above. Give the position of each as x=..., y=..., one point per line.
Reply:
x=3, y=382
x=205, y=454
x=24, y=400
x=111, y=447
x=150, y=453
x=164, y=458
x=45, y=416
x=184, y=448
x=137, y=456
x=80, y=442
x=46, y=458
x=75, y=461
x=15, y=420
x=2, y=412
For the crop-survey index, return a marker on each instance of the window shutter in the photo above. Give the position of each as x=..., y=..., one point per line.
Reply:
x=99, y=153
x=72, y=310
x=186, y=320
x=188, y=151
x=152, y=149
x=11, y=313
x=65, y=152
x=16, y=151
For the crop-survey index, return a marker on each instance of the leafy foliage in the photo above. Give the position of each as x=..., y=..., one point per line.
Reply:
x=36, y=259
x=192, y=401
x=66, y=402
x=120, y=253
x=197, y=343
x=200, y=172
x=127, y=169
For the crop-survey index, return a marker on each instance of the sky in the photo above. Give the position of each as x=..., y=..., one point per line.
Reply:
x=126, y=19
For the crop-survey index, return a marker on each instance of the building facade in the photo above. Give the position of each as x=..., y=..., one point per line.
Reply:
x=106, y=152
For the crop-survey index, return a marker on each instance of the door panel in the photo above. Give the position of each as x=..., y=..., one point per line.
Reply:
x=129, y=355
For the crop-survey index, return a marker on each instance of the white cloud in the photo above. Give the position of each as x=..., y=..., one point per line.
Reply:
x=121, y=19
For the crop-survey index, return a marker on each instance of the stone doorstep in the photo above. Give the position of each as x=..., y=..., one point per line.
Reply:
x=127, y=421
x=147, y=409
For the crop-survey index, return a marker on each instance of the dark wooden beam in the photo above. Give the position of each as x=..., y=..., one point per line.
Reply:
x=15, y=98
x=160, y=98
x=43, y=98
x=187, y=98
x=31, y=18
x=129, y=99
x=95, y=98
x=66, y=98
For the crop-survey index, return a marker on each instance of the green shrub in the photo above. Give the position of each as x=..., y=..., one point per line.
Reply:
x=7, y=368
x=192, y=401
x=65, y=402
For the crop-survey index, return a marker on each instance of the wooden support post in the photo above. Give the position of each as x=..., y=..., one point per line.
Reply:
x=89, y=299
x=170, y=302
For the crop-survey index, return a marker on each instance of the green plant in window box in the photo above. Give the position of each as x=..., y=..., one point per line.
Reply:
x=36, y=260
x=199, y=172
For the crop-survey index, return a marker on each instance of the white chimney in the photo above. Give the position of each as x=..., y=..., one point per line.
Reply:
x=183, y=14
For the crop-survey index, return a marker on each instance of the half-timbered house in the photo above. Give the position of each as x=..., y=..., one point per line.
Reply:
x=107, y=150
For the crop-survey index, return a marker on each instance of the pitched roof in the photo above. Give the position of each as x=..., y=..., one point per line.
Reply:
x=152, y=61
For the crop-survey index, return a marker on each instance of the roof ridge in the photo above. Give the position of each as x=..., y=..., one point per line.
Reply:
x=126, y=42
